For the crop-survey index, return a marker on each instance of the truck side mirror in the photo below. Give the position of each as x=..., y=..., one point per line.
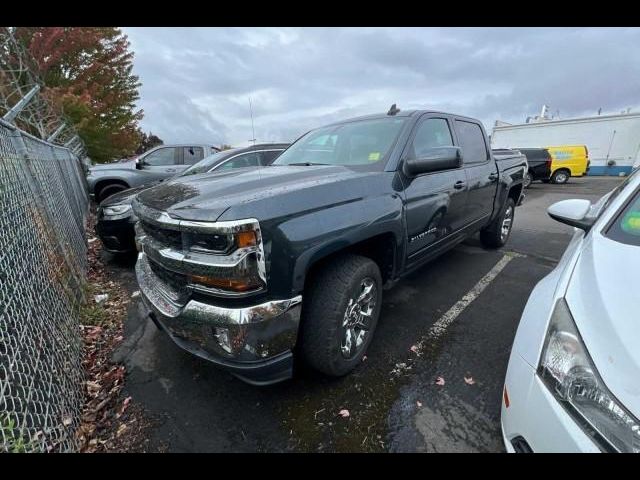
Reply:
x=572, y=212
x=434, y=160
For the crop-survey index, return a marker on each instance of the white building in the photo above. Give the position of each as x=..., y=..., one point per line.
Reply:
x=613, y=141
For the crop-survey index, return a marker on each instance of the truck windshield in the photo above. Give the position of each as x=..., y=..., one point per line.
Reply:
x=207, y=163
x=362, y=142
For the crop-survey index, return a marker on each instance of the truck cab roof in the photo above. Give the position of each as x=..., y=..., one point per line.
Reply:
x=401, y=113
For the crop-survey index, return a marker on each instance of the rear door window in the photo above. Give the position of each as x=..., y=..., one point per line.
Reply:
x=192, y=155
x=471, y=139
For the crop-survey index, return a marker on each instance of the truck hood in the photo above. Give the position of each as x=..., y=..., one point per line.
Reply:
x=124, y=197
x=264, y=193
x=128, y=165
x=603, y=296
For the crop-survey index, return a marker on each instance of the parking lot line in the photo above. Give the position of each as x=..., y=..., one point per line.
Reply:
x=440, y=326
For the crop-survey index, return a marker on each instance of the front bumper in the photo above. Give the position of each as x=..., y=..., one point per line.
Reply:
x=254, y=343
x=117, y=236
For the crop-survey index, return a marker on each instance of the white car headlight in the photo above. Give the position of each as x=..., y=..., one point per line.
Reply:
x=114, y=210
x=567, y=370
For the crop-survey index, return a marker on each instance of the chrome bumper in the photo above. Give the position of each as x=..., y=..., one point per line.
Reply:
x=235, y=338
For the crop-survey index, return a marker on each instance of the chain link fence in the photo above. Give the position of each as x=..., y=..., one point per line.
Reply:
x=43, y=263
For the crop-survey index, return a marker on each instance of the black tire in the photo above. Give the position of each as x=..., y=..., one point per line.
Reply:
x=493, y=236
x=323, y=334
x=560, y=177
x=108, y=190
x=528, y=180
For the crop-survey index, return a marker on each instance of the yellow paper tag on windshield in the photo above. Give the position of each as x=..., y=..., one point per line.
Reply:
x=374, y=156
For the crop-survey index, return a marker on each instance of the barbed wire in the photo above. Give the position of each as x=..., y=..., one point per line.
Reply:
x=38, y=116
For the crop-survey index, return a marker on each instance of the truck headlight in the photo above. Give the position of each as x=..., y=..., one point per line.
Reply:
x=241, y=240
x=569, y=373
x=116, y=210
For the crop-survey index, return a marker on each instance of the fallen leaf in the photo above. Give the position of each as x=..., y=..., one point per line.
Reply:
x=344, y=413
x=125, y=404
x=414, y=349
x=469, y=380
x=419, y=404
x=121, y=429
x=440, y=381
x=135, y=294
x=364, y=358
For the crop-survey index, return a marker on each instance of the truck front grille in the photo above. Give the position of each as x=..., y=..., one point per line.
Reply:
x=172, y=285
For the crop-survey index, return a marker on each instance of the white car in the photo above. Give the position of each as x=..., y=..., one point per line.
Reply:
x=573, y=380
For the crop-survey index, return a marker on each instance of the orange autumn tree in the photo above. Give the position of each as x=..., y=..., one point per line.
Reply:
x=87, y=72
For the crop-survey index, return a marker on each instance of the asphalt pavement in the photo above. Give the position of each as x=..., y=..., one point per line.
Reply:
x=432, y=379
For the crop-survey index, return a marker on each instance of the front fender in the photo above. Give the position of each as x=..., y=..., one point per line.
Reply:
x=133, y=178
x=298, y=243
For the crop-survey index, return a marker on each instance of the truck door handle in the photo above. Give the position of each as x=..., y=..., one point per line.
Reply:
x=171, y=170
x=493, y=176
x=459, y=184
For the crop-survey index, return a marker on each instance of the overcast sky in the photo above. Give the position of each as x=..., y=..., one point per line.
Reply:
x=196, y=82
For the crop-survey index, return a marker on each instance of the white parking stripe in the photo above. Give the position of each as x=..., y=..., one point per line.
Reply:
x=440, y=326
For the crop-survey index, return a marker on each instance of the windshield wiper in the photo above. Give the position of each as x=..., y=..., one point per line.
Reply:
x=306, y=164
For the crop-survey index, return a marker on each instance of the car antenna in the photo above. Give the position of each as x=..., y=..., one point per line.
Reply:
x=253, y=132
x=393, y=110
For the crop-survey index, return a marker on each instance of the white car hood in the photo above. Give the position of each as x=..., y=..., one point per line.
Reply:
x=604, y=298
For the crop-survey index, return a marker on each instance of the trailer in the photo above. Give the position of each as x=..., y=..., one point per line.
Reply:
x=613, y=141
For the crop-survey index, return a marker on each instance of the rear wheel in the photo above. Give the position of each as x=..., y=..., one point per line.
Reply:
x=108, y=190
x=497, y=233
x=528, y=180
x=560, y=176
x=340, y=314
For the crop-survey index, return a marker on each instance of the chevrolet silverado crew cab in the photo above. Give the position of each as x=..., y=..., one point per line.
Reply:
x=250, y=269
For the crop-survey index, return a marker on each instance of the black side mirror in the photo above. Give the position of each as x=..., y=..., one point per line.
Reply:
x=434, y=160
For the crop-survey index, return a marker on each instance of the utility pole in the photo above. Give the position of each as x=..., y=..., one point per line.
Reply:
x=253, y=132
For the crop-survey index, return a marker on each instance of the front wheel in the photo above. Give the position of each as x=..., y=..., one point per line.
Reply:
x=496, y=234
x=109, y=190
x=340, y=313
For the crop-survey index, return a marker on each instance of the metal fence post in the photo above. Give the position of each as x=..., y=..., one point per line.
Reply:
x=11, y=115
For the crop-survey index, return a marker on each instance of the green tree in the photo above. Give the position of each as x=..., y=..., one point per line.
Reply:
x=147, y=142
x=87, y=72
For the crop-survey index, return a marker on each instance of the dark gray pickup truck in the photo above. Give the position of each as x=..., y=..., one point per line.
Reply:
x=251, y=268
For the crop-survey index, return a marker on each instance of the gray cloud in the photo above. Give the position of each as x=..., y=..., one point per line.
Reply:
x=197, y=81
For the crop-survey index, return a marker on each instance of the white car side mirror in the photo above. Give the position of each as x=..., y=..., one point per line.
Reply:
x=572, y=212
